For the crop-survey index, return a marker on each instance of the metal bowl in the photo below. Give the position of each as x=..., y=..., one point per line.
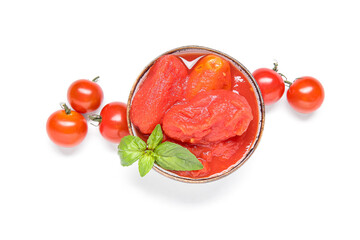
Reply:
x=261, y=108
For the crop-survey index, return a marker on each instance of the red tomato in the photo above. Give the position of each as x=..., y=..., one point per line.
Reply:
x=85, y=96
x=306, y=94
x=66, y=128
x=210, y=73
x=271, y=84
x=163, y=86
x=210, y=116
x=113, y=126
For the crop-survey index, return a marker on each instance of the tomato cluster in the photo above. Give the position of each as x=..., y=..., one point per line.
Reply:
x=305, y=94
x=68, y=128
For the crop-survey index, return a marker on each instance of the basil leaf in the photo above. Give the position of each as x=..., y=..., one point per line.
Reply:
x=146, y=162
x=172, y=156
x=155, y=138
x=130, y=149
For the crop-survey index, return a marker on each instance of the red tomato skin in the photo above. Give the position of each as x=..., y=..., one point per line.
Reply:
x=114, y=126
x=271, y=84
x=85, y=96
x=306, y=94
x=209, y=73
x=163, y=86
x=211, y=116
x=66, y=130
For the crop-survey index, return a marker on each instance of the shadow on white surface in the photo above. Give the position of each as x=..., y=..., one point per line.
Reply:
x=110, y=146
x=300, y=116
x=66, y=151
x=270, y=108
x=171, y=190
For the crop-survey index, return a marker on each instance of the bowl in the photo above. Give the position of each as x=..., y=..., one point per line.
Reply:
x=260, y=103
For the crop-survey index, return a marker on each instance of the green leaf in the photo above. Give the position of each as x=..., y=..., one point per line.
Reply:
x=130, y=149
x=155, y=138
x=146, y=162
x=172, y=156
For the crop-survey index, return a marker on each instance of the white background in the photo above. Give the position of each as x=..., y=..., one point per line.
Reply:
x=302, y=182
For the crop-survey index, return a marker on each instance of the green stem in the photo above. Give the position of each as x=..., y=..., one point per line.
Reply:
x=95, y=79
x=95, y=118
x=65, y=107
x=288, y=83
x=276, y=64
x=285, y=80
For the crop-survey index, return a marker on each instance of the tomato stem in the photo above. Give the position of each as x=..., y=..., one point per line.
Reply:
x=276, y=64
x=95, y=118
x=288, y=83
x=65, y=107
x=95, y=79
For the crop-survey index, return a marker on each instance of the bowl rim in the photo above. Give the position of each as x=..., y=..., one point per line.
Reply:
x=234, y=167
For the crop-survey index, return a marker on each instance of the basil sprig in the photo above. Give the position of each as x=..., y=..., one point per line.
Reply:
x=167, y=155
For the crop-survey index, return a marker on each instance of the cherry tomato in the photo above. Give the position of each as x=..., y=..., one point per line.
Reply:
x=66, y=128
x=85, y=96
x=113, y=125
x=306, y=94
x=271, y=84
